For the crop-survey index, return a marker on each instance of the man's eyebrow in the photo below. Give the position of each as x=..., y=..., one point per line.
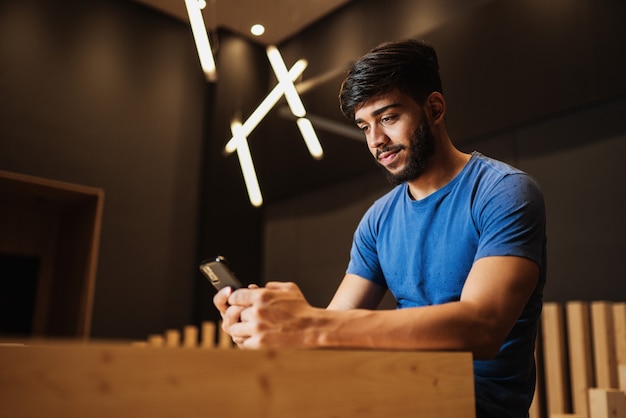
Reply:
x=379, y=111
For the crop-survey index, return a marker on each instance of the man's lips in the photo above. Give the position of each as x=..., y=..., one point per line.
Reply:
x=387, y=154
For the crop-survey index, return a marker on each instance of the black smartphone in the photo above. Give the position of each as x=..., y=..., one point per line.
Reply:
x=219, y=273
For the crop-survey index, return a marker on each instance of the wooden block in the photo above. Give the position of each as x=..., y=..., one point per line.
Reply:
x=106, y=380
x=554, y=353
x=208, y=335
x=224, y=340
x=156, y=340
x=604, y=345
x=580, y=355
x=619, y=317
x=190, y=336
x=172, y=338
x=535, y=407
x=607, y=403
x=534, y=411
x=567, y=416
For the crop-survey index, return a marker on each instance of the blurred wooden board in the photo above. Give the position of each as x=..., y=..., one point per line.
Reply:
x=106, y=380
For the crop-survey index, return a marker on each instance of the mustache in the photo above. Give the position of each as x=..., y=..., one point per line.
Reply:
x=389, y=148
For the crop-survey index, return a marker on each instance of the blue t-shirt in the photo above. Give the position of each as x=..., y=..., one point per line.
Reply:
x=422, y=251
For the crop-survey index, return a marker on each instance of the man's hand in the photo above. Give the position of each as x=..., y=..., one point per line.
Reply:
x=277, y=315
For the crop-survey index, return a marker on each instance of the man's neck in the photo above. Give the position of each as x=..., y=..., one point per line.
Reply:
x=446, y=164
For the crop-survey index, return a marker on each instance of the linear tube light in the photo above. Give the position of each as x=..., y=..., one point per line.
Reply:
x=207, y=62
x=266, y=105
x=310, y=138
x=295, y=103
x=292, y=96
x=247, y=166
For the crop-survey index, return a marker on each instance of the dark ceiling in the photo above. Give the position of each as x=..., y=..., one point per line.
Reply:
x=282, y=162
x=282, y=18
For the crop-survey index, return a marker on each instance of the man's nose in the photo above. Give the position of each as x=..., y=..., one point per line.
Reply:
x=376, y=138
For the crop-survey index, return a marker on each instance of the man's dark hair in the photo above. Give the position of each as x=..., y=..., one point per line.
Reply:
x=409, y=65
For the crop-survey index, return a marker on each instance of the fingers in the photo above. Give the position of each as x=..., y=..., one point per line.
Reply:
x=281, y=286
x=220, y=300
x=255, y=317
x=240, y=342
x=244, y=296
x=248, y=296
x=231, y=316
x=242, y=330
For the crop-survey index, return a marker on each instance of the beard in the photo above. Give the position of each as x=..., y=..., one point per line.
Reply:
x=420, y=151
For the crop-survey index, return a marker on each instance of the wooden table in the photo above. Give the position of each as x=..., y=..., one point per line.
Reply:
x=119, y=380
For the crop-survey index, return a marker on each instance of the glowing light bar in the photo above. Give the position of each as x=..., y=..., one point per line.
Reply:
x=247, y=166
x=240, y=132
x=207, y=62
x=266, y=105
x=310, y=138
x=292, y=96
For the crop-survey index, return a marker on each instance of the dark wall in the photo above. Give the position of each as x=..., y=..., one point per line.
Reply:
x=504, y=63
x=110, y=94
x=537, y=84
x=229, y=225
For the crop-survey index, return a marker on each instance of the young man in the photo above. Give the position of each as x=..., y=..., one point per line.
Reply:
x=459, y=242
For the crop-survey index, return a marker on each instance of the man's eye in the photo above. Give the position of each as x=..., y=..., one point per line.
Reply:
x=388, y=118
x=363, y=128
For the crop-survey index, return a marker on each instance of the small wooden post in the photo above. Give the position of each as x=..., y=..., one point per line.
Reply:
x=607, y=403
x=156, y=340
x=604, y=344
x=557, y=396
x=224, y=340
x=580, y=357
x=208, y=335
x=172, y=338
x=190, y=336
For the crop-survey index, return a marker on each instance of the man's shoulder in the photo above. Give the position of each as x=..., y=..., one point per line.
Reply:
x=488, y=172
x=497, y=167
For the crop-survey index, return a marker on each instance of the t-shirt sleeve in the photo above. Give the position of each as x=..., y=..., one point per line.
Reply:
x=511, y=219
x=363, y=254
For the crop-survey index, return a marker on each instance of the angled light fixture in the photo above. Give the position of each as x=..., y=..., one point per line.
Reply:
x=310, y=138
x=295, y=103
x=240, y=132
x=207, y=62
x=289, y=90
x=266, y=105
x=247, y=166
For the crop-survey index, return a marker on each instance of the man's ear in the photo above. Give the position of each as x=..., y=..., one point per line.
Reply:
x=435, y=108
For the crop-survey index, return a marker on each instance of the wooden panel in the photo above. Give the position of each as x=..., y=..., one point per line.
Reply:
x=607, y=403
x=59, y=223
x=535, y=407
x=109, y=380
x=619, y=318
x=208, y=334
x=604, y=344
x=580, y=356
x=554, y=354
